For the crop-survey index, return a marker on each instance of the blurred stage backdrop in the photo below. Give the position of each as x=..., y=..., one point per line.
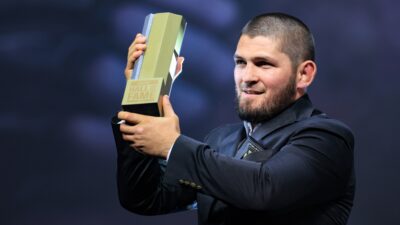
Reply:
x=62, y=63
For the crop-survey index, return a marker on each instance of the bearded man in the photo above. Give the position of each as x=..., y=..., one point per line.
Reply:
x=286, y=163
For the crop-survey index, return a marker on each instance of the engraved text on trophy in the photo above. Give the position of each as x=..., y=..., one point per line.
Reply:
x=143, y=91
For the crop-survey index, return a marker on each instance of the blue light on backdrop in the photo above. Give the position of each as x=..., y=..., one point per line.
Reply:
x=61, y=67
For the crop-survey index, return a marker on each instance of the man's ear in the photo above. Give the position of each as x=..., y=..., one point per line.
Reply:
x=305, y=74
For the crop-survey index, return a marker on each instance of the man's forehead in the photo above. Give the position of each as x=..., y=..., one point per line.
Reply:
x=257, y=38
x=258, y=45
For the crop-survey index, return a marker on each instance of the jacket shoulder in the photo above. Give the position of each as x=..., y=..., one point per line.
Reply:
x=327, y=124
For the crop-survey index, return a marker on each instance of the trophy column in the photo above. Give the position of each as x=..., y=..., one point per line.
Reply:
x=154, y=71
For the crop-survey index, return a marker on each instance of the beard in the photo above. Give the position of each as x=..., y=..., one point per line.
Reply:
x=269, y=107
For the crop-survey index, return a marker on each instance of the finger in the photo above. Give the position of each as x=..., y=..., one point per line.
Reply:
x=136, y=130
x=128, y=137
x=179, y=66
x=137, y=47
x=167, y=107
x=141, y=46
x=134, y=136
x=132, y=118
x=137, y=44
x=138, y=35
x=133, y=57
x=127, y=129
x=139, y=38
x=131, y=64
x=180, y=60
x=134, y=54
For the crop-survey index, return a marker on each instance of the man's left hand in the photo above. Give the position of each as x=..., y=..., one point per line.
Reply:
x=151, y=135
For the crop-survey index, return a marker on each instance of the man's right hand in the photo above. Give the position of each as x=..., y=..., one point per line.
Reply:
x=134, y=52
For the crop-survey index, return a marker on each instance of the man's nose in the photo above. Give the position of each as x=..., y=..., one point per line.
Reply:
x=249, y=75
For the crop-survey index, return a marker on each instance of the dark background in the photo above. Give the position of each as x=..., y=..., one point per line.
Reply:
x=61, y=68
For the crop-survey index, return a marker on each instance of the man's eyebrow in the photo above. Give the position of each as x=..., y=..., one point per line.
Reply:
x=236, y=56
x=260, y=58
x=256, y=58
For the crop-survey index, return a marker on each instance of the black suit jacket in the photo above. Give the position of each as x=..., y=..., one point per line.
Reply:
x=300, y=173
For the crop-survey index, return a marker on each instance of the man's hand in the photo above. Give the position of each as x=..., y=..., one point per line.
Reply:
x=151, y=135
x=136, y=49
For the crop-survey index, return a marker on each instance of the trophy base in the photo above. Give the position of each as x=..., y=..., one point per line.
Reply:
x=150, y=109
x=144, y=96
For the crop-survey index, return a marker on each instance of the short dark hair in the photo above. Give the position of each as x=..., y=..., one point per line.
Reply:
x=296, y=38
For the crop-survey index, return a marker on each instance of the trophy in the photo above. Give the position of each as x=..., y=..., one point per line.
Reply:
x=154, y=71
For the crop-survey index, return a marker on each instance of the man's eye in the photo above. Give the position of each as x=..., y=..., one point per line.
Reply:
x=240, y=62
x=263, y=63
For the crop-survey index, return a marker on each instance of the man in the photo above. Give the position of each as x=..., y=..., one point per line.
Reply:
x=287, y=163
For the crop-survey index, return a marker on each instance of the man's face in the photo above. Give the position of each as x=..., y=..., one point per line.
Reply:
x=265, y=82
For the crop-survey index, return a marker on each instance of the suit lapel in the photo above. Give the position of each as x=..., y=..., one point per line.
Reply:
x=299, y=110
x=230, y=143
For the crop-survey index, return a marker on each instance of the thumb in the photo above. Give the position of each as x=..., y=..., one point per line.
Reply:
x=132, y=118
x=179, y=66
x=167, y=107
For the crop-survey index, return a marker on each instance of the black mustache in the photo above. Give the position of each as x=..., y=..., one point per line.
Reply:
x=244, y=87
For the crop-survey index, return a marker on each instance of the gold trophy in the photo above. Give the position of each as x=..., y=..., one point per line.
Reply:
x=154, y=71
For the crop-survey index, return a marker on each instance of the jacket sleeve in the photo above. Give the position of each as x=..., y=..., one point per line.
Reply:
x=313, y=167
x=140, y=180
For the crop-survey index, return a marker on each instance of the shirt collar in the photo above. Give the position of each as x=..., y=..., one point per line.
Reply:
x=249, y=128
